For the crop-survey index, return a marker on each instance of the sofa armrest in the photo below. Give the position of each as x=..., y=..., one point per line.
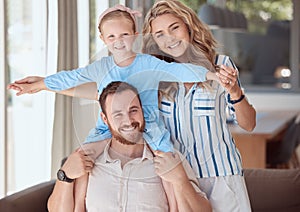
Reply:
x=31, y=199
x=273, y=189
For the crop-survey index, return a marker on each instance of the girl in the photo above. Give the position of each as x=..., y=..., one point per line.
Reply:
x=195, y=113
x=117, y=29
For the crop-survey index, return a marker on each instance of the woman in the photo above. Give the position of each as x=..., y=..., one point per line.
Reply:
x=195, y=113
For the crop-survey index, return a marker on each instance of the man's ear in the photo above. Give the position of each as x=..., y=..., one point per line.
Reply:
x=104, y=118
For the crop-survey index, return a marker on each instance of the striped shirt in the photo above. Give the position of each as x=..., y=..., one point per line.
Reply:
x=197, y=123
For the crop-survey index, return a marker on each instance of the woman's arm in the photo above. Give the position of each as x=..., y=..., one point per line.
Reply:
x=245, y=112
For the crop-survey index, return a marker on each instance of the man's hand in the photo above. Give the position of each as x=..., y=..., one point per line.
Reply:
x=78, y=164
x=169, y=167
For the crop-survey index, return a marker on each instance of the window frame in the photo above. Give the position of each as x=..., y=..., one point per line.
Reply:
x=3, y=98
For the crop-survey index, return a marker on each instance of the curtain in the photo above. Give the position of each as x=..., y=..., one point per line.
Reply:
x=63, y=130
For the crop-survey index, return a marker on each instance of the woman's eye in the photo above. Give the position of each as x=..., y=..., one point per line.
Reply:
x=175, y=27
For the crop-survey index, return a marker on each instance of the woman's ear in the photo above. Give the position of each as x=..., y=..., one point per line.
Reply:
x=104, y=118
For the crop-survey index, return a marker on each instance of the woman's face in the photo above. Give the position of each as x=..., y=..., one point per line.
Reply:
x=171, y=34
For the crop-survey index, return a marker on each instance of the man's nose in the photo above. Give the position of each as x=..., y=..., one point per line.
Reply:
x=127, y=119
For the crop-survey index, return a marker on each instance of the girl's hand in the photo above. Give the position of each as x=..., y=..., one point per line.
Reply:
x=228, y=78
x=30, y=85
x=29, y=80
x=169, y=167
x=24, y=88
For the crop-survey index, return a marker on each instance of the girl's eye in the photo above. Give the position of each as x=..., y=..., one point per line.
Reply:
x=125, y=34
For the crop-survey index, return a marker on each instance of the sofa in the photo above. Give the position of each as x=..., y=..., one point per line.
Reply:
x=270, y=190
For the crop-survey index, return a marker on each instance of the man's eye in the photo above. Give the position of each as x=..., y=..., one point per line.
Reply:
x=110, y=36
x=118, y=115
x=159, y=35
x=134, y=111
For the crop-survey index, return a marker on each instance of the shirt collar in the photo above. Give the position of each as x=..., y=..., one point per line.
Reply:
x=147, y=153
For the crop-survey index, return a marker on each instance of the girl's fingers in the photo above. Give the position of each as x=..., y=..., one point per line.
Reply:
x=24, y=80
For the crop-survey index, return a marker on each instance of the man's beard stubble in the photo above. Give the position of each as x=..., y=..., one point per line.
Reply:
x=123, y=140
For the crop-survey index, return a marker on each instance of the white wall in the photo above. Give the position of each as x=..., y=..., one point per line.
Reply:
x=274, y=101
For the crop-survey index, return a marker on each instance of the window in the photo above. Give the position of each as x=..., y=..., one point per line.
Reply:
x=27, y=119
x=257, y=35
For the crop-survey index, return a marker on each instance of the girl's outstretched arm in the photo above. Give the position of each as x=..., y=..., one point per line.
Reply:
x=34, y=84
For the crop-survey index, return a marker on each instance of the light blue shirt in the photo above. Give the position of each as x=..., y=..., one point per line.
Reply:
x=197, y=123
x=144, y=73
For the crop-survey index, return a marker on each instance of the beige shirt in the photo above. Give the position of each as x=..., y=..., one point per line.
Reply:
x=135, y=187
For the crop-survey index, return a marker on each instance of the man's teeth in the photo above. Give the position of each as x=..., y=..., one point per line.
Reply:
x=128, y=128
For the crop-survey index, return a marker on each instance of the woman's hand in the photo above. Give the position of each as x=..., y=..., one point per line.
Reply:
x=228, y=78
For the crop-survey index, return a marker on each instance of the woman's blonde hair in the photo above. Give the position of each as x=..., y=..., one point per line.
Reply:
x=202, y=46
x=201, y=39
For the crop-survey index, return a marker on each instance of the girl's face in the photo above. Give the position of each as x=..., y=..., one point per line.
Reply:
x=171, y=34
x=118, y=35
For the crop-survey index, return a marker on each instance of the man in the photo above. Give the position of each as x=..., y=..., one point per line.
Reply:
x=127, y=176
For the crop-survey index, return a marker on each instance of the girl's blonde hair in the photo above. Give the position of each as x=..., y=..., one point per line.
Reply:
x=117, y=14
x=202, y=46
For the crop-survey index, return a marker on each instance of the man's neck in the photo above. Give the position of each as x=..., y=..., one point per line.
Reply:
x=126, y=152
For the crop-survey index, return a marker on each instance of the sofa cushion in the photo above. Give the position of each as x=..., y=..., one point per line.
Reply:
x=273, y=189
x=29, y=200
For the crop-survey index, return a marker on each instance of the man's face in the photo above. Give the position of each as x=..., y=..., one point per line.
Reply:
x=125, y=117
